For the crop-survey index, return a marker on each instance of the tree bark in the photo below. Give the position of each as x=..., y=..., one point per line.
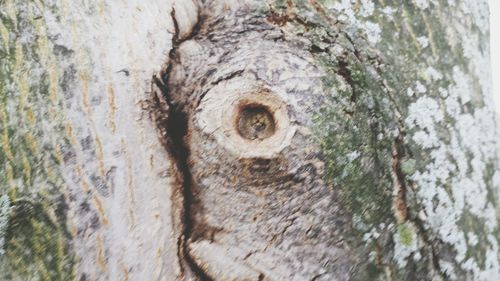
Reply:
x=247, y=140
x=86, y=177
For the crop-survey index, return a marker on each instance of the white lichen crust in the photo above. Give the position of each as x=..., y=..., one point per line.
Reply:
x=436, y=56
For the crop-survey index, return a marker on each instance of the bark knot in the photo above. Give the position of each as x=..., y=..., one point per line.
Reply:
x=255, y=121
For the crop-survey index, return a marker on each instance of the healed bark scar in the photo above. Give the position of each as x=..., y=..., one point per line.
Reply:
x=250, y=174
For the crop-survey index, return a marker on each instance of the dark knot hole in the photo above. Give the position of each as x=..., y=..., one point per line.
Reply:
x=255, y=121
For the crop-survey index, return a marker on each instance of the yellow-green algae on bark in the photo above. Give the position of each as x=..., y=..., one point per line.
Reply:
x=36, y=239
x=76, y=144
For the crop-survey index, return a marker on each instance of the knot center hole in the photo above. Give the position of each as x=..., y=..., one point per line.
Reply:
x=255, y=122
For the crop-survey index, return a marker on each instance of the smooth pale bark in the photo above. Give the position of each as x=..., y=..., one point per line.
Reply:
x=81, y=163
x=136, y=142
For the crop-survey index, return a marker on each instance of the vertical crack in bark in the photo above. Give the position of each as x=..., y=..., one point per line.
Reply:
x=345, y=72
x=174, y=125
x=400, y=206
x=433, y=252
x=175, y=129
x=399, y=185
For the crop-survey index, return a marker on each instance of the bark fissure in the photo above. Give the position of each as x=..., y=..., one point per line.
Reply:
x=400, y=205
x=399, y=185
x=427, y=241
x=345, y=72
x=174, y=129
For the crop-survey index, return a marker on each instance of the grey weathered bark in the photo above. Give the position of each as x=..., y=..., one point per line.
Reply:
x=247, y=140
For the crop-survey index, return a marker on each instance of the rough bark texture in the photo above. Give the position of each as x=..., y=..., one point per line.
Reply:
x=288, y=140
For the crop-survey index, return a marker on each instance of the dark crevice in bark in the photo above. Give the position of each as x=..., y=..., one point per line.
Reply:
x=228, y=77
x=433, y=252
x=400, y=205
x=345, y=72
x=176, y=41
x=357, y=54
x=176, y=27
x=399, y=185
x=174, y=130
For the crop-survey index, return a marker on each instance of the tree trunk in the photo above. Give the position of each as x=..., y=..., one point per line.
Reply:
x=247, y=140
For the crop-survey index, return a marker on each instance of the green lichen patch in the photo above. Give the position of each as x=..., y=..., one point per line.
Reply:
x=406, y=234
x=408, y=167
